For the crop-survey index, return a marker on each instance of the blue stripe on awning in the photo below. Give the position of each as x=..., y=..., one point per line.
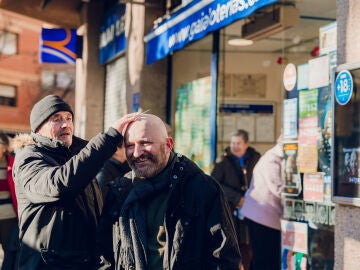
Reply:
x=194, y=21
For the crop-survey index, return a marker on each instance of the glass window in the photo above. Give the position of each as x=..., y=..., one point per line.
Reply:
x=8, y=43
x=7, y=95
x=253, y=55
x=191, y=92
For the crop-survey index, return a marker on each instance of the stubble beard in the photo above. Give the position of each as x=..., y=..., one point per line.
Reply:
x=157, y=165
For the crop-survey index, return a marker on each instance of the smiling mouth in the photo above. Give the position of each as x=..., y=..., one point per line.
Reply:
x=140, y=160
x=65, y=134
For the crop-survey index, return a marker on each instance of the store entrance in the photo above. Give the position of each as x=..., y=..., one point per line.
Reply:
x=274, y=78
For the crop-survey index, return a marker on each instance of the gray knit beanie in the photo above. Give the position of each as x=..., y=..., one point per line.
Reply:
x=45, y=108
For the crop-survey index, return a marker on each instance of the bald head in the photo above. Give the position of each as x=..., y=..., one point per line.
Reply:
x=147, y=145
x=149, y=125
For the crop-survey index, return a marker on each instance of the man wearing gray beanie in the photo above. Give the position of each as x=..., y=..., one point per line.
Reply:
x=59, y=200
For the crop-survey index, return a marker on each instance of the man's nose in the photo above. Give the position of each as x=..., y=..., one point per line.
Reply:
x=65, y=122
x=137, y=150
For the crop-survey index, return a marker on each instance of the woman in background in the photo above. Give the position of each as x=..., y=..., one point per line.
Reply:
x=262, y=208
x=8, y=208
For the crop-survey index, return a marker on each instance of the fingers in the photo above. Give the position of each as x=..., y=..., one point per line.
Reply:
x=122, y=123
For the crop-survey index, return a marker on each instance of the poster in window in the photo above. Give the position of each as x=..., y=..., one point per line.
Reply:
x=308, y=130
x=308, y=116
x=346, y=143
x=290, y=121
x=310, y=211
x=288, y=208
x=291, y=177
x=322, y=214
x=299, y=210
x=325, y=127
x=192, y=122
x=313, y=187
x=294, y=245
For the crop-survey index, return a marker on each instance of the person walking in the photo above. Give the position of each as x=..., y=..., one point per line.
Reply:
x=234, y=173
x=263, y=209
x=8, y=208
x=168, y=214
x=59, y=200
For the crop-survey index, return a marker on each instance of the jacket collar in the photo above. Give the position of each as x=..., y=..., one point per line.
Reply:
x=56, y=145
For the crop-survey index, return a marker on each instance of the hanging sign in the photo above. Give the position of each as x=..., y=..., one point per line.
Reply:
x=112, y=33
x=195, y=21
x=289, y=77
x=343, y=87
x=58, y=45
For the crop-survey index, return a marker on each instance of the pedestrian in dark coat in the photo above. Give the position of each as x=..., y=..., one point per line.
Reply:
x=59, y=200
x=166, y=213
x=234, y=173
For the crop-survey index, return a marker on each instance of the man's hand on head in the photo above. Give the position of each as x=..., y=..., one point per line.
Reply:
x=121, y=124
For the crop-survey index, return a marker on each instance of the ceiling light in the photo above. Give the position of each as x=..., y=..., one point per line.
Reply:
x=240, y=42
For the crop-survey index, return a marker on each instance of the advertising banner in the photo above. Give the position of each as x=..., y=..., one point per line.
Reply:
x=294, y=244
x=194, y=22
x=112, y=33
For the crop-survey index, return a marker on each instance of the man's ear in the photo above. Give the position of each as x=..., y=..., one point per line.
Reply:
x=170, y=143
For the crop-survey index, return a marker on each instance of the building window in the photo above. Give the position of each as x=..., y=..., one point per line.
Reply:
x=174, y=5
x=8, y=43
x=7, y=95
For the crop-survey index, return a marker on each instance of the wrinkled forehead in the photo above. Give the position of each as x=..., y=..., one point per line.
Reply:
x=146, y=128
x=61, y=114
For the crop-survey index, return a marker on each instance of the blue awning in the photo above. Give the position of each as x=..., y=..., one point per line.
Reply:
x=194, y=21
x=112, y=33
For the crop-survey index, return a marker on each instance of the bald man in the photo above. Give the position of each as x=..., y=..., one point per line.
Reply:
x=167, y=213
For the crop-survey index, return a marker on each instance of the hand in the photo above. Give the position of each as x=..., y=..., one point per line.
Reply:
x=122, y=123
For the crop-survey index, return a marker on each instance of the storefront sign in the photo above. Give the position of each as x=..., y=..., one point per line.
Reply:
x=289, y=77
x=58, y=45
x=195, y=21
x=343, y=87
x=246, y=108
x=112, y=34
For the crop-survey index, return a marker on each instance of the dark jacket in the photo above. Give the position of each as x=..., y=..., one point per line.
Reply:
x=112, y=169
x=59, y=200
x=231, y=175
x=199, y=230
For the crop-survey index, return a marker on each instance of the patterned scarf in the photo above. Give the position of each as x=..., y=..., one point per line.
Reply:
x=132, y=221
